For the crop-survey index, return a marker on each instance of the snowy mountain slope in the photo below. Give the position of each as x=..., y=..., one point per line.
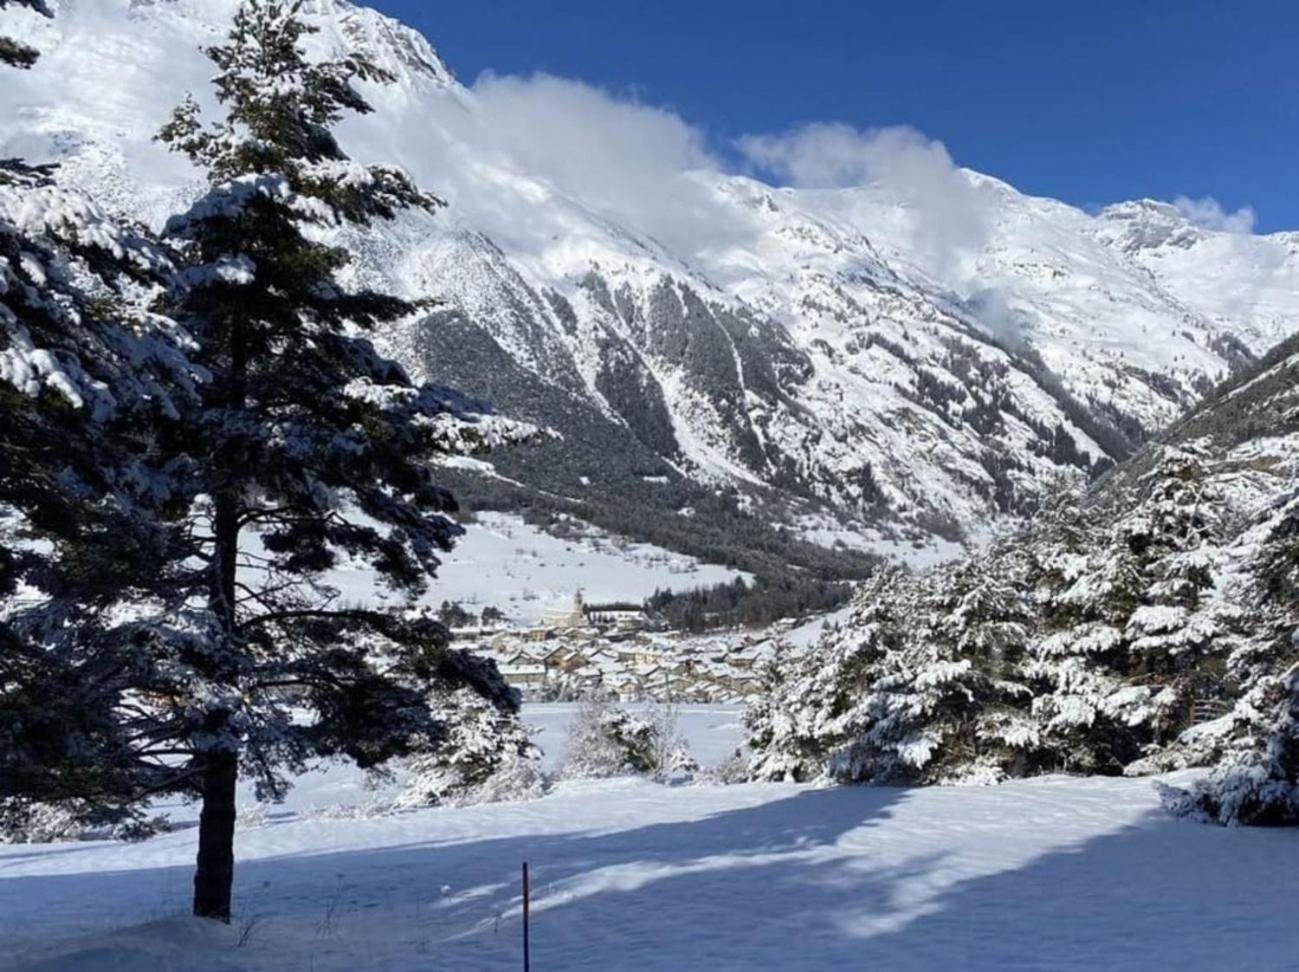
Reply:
x=835, y=348
x=1243, y=282
x=1249, y=426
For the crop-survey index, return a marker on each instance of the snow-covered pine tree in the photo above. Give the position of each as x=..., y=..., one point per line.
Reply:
x=488, y=756
x=945, y=705
x=1256, y=780
x=977, y=627
x=815, y=703
x=1182, y=632
x=15, y=53
x=1088, y=583
x=86, y=374
x=1133, y=637
x=919, y=686
x=307, y=447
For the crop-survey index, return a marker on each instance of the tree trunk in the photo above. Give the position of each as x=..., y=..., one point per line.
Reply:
x=216, y=838
x=215, y=870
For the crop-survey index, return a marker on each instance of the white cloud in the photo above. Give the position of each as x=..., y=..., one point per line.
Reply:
x=832, y=155
x=503, y=151
x=584, y=138
x=1210, y=214
x=950, y=215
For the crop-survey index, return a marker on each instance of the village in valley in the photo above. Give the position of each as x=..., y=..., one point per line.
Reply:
x=621, y=652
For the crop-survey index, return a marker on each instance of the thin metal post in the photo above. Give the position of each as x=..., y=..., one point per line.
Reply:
x=527, y=958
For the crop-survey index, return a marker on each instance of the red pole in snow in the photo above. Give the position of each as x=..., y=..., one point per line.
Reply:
x=527, y=959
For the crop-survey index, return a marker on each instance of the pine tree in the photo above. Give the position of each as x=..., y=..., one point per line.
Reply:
x=306, y=446
x=488, y=756
x=978, y=621
x=1256, y=781
x=816, y=705
x=86, y=373
x=15, y=53
x=1060, y=647
x=1088, y=584
x=1181, y=635
x=1134, y=639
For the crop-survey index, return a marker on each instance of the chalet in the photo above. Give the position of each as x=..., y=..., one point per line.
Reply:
x=526, y=676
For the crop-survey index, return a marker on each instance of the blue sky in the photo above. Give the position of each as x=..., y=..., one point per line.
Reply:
x=1090, y=102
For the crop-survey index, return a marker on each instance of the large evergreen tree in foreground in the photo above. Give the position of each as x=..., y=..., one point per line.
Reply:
x=1256, y=779
x=195, y=433
x=309, y=448
x=87, y=373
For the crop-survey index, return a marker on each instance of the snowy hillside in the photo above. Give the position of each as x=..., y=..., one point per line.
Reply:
x=505, y=563
x=911, y=358
x=1150, y=624
x=1044, y=874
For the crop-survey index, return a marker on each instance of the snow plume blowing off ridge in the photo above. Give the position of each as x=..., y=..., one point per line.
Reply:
x=646, y=167
x=621, y=157
x=1210, y=214
x=952, y=215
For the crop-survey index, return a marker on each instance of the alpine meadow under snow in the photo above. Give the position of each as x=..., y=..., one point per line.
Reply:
x=328, y=382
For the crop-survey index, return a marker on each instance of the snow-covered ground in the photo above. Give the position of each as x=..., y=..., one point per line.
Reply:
x=711, y=732
x=504, y=562
x=1047, y=874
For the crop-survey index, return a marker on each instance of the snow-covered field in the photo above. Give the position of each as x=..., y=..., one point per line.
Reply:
x=1046, y=874
x=504, y=562
x=712, y=733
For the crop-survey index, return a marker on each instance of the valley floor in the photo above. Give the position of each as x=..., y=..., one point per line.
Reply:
x=1046, y=874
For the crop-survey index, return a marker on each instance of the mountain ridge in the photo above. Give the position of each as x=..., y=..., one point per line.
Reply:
x=825, y=356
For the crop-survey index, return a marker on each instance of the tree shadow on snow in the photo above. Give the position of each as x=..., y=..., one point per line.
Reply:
x=673, y=889
x=805, y=882
x=1162, y=893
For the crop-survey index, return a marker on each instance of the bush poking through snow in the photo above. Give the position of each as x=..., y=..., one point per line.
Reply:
x=254, y=816
x=733, y=769
x=371, y=809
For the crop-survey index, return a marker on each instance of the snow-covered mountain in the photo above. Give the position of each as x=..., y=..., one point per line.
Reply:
x=911, y=364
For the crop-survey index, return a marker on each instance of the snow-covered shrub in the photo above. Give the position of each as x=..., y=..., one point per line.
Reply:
x=372, y=808
x=253, y=816
x=516, y=778
x=605, y=740
x=488, y=755
x=23, y=822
